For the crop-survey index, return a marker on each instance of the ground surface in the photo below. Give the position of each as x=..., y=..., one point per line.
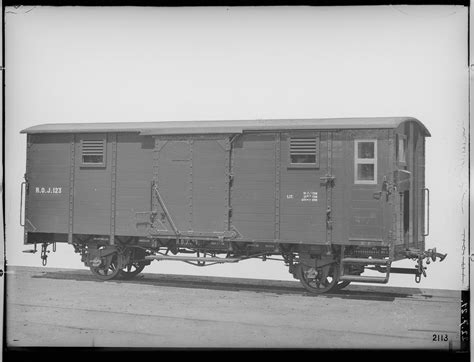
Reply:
x=53, y=307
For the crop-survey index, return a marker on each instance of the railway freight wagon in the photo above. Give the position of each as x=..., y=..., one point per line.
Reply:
x=328, y=197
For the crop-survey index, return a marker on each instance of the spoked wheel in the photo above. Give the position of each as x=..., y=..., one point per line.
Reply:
x=132, y=270
x=319, y=280
x=107, y=267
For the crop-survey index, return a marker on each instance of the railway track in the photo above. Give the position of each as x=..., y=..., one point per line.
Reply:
x=256, y=285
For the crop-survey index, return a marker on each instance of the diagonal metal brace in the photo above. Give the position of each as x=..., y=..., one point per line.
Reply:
x=163, y=206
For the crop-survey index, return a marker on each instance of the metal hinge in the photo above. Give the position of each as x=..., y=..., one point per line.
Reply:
x=328, y=218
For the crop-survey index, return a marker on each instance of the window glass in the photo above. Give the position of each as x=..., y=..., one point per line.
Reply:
x=303, y=158
x=402, y=144
x=365, y=150
x=366, y=172
x=92, y=159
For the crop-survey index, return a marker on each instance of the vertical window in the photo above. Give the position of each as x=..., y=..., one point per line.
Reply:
x=401, y=148
x=93, y=152
x=365, y=162
x=304, y=151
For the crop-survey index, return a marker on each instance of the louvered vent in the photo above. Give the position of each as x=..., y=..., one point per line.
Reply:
x=93, y=151
x=303, y=150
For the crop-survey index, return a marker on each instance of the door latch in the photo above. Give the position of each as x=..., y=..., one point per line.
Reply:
x=327, y=180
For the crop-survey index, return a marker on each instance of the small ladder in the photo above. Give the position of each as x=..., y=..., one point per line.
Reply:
x=367, y=261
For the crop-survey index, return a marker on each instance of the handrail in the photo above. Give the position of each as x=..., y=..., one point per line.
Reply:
x=427, y=193
x=22, y=186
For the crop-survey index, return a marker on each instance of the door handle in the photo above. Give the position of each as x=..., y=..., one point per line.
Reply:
x=377, y=195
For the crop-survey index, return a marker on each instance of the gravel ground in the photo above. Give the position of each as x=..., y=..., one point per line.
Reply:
x=65, y=308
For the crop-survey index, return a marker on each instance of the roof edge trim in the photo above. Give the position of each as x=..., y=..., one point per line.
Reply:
x=225, y=126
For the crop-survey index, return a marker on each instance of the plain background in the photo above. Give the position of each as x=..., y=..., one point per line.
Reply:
x=74, y=64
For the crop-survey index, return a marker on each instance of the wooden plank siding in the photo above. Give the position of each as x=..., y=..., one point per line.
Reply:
x=210, y=183
x=253, y=187
x=174, y=172
x=192, y=177
x=419, y=184
x=420, y=165
x=341, y=195
x=357, y=215
x=48, y=160
x=92, y=193
x=410, y=159
x=201, y=176
x=134, y=177
x=303, y=219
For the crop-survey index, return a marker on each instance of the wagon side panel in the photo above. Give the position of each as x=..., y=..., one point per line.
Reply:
x=422, y=202
x=209, y=185
x=47, y=194
x=418, y=186
x=341, y=160
x=92, y=184
x=133, y=188
x=174, y=165
x=411, y=193
x=253, y=189
x=304, y=194
x=362, y=213
x=368, y=213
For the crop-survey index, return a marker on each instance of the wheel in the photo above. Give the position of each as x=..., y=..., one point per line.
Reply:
x=108, y=267
x=131, y=270
x=318, y=280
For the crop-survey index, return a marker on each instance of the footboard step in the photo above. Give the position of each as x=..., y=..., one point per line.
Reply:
x=366, y=261
x=192, y=258
x=362, y=279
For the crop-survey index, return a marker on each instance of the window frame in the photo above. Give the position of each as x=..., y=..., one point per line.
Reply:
x=369, y=161
x=313, y=135
x=94, y=137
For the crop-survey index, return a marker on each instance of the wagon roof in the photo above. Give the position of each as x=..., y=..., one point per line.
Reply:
x=232, y=126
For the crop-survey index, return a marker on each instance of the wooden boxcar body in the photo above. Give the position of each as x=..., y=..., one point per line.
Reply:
x=331, y=196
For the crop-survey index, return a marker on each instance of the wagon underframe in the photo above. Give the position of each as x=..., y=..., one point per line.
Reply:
x=320, y=268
